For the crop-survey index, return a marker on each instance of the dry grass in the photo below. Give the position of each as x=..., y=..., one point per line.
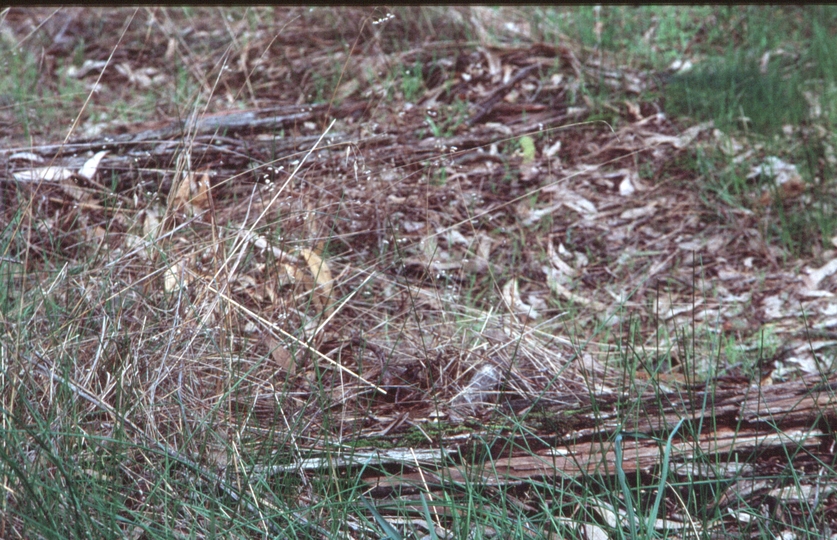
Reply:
x=307, y=248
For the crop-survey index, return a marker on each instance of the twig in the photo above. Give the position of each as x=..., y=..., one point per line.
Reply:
x=492, y=100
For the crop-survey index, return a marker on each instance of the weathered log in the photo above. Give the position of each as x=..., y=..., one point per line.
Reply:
x=732, y=423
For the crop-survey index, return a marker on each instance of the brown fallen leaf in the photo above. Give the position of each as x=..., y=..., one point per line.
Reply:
x=284, y=359
x=634, y=113
x=323, y=279
x=785, y=193
x=200, y=190
x=179, y=201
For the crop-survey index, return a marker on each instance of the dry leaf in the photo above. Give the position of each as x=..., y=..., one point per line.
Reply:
x=143, y=77
x=559, y=264
x=594, y=532
x=151, y=224
x=641, y=212
x=88, y=170
x=495, y=65
x=552, y=150
x=47, y=174
x=529, y=171
x=322, y=276
x=514, y=303
x=171, y=277
x=262, y=244
x=284, y=359
x=201, y=192
x=192, y=194
x=680, y=66
x=684, y=139
x=726, y=144
x=573, y=201
x=787, y=191
x=785, y=176
x=626, y=188
x=77, y=193
x=26, y=156
x=814, y=277
x=345, y=90
x=633, y=110
x=552, y=280
x=182, y=193
x=86, y=67
x=484, y=246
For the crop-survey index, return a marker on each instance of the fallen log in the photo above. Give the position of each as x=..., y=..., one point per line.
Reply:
x=723, y=424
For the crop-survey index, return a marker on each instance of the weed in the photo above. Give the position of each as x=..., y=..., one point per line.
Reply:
x=412, y=82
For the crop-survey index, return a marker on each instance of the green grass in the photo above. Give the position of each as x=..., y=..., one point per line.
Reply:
x=729, y=85
x=737, y=96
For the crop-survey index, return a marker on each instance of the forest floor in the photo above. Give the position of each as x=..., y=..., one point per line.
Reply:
x=338, y=273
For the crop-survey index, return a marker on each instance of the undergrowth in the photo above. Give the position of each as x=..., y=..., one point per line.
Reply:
x=415, y=305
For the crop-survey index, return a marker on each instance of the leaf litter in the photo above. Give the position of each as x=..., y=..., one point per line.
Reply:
x=439, y=257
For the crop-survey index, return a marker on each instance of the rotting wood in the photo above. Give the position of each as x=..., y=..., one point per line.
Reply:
x=739, y=423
